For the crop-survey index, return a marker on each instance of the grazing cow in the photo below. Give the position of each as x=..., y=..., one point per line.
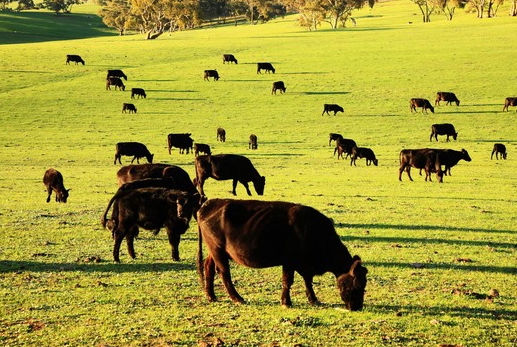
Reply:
x=149, y=208
x=332, y=108
x=260, y=234
x=265, y=66
x=423, y=103
x=443, y=129
x=182, y=141
x=211, y=73
x=253, y=144
x=449, y=158
x=53, y=181
x=136, y=149
x=424, y=158
x=138, y=92
x=228, y=167
x=446, y=96
x=116, y=73
x=128, y=107
x=115, y=81
x=201, y=147
x=229, y=58
x=362, y=152
x=179, y=177
x=344, y=146
x=499, y=148
x=334, y=137
x=221, y=135
x=510, y=102
x=74, y=58
x=278, y=85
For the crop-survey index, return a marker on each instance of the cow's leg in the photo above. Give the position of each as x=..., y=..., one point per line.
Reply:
x=174, y=241
x=129, y=241
x=49, y=191
x=245, y=184
x=223, y=267
x=408, y=171
x=420, y=172
x=132, y=160
x=447, y=138
x=401, y=169
x=137, y=160
x=118, y=235
x=492, y=156
x=311, y=296
x=436, y=137
x=209, y=278
x=234, y=185
x=287, y=282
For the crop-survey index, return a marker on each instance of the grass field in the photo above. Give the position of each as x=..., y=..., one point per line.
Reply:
x=55, y=115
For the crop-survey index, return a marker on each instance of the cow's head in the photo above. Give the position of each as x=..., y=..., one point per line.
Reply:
x=375, y=162
x=185, y=204
x=457, y=102
x=62, y=195
x=504, y=155
x=123, y=87
x=259, y=185
x=150, y=158
x=431, y=108
x=352, y=285
x=466, y=155
x=455, y=136
x=341, y=109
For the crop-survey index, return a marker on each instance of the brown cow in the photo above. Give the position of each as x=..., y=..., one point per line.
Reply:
x=424, y=158
x=253, y=144
x=423, y=103
x=446, y=96
x=179, y=177
x=499, y=148
x=201, y=148
x=344, y=146
x=211, y=73
x=229, y=58
x=334, y=137
x=115, y=81
x=221, y=135
x=509, y=102
x=261, y=234
x=53, y=181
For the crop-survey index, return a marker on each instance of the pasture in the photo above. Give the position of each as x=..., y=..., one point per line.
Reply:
x=433, y=251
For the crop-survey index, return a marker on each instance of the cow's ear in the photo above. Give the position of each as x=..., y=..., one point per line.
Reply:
x=69, y=189
x=356, y=261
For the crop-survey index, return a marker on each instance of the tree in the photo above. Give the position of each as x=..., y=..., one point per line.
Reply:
x=426, y=7
x=64, y=6
x=447, y=7
x=116, y=14
x=493, y=6
x=311, y=14
x=4, y=4
x=337, y=11
x=25, y=5
x=513, y=9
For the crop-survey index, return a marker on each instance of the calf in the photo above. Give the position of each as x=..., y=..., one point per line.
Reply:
x=509, y=102
x=182, y=141
x=229, y=58
x=116, y=73
x=211, y=73
x=443, y=129
x=201, y=148
x=228, y=167
x=221, y=135
x=499, y=148
x=53, y=181
x=362, y=152
x=253, y=142
x=265, y=66
x=136, y=149
x=138, y=92
x=344, y=146
x=423, y=103
x=278, y=85
x=332, y=108
x=262, y=234
x=74, y=58
x=176, y=177
x=334, y=137
x=446, y=96
x=115, y=81
x=128, y=107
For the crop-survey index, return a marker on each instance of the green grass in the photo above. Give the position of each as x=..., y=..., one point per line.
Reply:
x=54, y=115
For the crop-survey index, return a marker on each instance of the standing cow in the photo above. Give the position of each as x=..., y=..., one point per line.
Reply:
x=362, y=152
x=265, y=66
x=334, y=137
x=443, y=129
x=229, y=58
x=182, y=141
x=278, y=85
x=116, y=73
x=136, y=149
x=344, y=146
x=138, y=92
x=53, y=181
x=211, y=73
x=128, y=107
x=499, y=148
x=446, y=96
x=116, y=82
x=332, y=108
x=509, y=102
x=75, y=58
x=253, y=143
x=221, y=135
x=201, y=148
x=423, y=103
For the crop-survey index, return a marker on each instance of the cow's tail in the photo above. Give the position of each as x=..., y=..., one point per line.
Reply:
x=104, y=219
x=200, y=262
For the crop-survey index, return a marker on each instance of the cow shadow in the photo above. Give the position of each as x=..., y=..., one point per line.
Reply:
x=466, y=112
x=155, y=80
x=243, y=80
x=179, y=99
x=419, y=227
x=446, y=266
x=323, y=93
x=26, y=71
x=410, y=240
x=171, y=91
x=304, y=73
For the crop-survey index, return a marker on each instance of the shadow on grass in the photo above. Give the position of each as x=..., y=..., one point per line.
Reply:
x=25, y=71
x=171, y=91
x=460, y=112
x=304, y=73
x=244, y=81
x=428, y=241
x=155, y=80
x=179, y=99
x=419, y=227
x=447, y=266
x=323, y=93
x=348, y=30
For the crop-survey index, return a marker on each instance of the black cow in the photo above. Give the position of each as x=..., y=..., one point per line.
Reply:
x=115, y=81
x=449, y=158
x=332, y=108
x=499, y=148
x=265, y=66
x=201, y=148
x=261, y=234
x=253, y=144
x=334, y=137
x=446, y=96
x=344, y=146
x=136, y=149
x=53, y=181
x=362, y=152
x=221, y=135
x=278, y=85
x=510, y=102
x=211, y=73
x=138, y=92
x=182, y=141
x=423, y=103
x=228, y=167
x=116, y=73
x=74, y=58
x=128, y=107
x=229, y=58
x=443, y=129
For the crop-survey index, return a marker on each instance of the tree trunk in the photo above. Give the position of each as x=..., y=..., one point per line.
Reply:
x=153, y=36
x=513, y=10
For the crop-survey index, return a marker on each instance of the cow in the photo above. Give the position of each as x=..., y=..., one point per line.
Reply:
x=362, y=152
x=510, y=102
x=424, y=158
x=182, y=141
x=138, y=92
x=344, y=146
x=211, y=73
x=53, y=181
x=265, y=66
x=75, y=58
x=115, y=81
x=201, y=148
x=128, y=107
x=228, y=167
x=221, y=135
x=136, y=149
x=334, y=137
x=116, y=73
x=229, y=58
x=253, y=142
x=332, y=108
x=443, y=129
x=179, y=177
x=423, y=103
x=499, y=148
x=446, y=96
x=449, y=158
x=149, y=208
x=278, y=85
x=260, y=234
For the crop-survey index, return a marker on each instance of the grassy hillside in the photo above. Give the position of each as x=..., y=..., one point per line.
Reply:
x=462, y=232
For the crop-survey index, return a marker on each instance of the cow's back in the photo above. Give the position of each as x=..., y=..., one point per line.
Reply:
x=228, y=166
